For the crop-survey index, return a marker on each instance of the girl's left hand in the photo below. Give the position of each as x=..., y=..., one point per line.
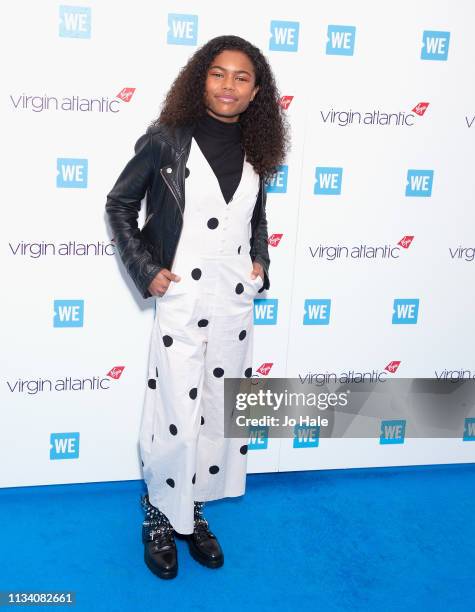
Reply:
x=257, y=270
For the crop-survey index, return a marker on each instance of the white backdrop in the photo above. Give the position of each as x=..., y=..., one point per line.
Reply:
x=82, y=82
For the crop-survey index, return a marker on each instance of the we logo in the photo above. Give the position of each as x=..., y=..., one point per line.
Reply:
x=258, y=438
x=265, y=311
x=68, y=313
x=71, y=173
x=306, y=437
x=182, y=29
x=284, y=36
x=392, y=432
x=419, y=183
x=328, y=181
x=405, y=311
x=64, y=445
x=340, y=40
x=75, y=21
x=278, y=182
x=435, y=45
x=469, y=430
x=317, y=312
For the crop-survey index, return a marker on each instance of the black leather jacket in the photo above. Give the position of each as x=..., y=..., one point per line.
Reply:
x=158, y=171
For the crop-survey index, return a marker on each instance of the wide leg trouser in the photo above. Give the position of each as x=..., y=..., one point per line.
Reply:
x=202, y=333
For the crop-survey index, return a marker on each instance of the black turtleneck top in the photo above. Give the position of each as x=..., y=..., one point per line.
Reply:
x=220, y=143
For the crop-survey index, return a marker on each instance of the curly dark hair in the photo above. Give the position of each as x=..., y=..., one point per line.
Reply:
x=265, y=130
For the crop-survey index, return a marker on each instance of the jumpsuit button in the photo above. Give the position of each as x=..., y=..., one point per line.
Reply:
x=168, y=170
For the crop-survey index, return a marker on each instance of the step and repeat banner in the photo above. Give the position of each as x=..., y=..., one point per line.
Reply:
x=371, y=220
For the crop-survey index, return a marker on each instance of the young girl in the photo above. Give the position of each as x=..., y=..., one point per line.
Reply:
x=203, y=255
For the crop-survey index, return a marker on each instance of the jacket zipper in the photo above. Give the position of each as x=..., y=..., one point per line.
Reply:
x=173, y=193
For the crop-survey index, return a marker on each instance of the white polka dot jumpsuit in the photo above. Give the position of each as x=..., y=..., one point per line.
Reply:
x=202, y=333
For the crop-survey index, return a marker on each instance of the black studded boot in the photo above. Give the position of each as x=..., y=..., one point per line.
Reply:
x=160, y=552
x=203, y=544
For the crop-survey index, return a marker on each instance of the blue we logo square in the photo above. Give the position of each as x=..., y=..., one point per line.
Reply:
x=419, y=183
x=71, y=173
x=469, y=430
x=258, y=438
x=435, y=45
x=306, y=437
x=68, y=313
x=284, y=36
x=74, y=21
x=278, y=182
x=392, y=432
x=405, y=311
x=328, y=181
x=64, y=445
x=340, y=40
x=317, y=312
x=182, y=29
x=265, y=311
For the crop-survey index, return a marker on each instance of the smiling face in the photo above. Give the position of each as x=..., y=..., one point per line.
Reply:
x=230, y=85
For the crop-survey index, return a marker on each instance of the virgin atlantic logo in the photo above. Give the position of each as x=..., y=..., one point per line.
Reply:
x=115, y=372
x=274, y=239
x=72, y=103
x=285, y=101
x=126, y=94
x=420, y=108
x=392, y=367
x=405, y=241
x=264, y=369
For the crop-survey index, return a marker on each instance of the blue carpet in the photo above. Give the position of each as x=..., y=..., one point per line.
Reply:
x=360, y=539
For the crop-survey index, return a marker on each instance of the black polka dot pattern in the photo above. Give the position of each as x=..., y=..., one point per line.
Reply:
x=239, y=249
x=152, y=383
x=193, y=480
x=153, y=436
x=170, y=482
x=239, y=288
x=173, y=429
x=218, y=372
x=196, y=274
x=214, y=469
x=248, y=372
x=167, y=340
x=193, y=393
x=202, y=420
x=143, y=463
x=242, y=334
x=187, y=172
x=202, y=322
x=213, y=223
x=243, y=449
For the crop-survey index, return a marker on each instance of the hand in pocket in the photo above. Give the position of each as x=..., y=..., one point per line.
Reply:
x=161, y=282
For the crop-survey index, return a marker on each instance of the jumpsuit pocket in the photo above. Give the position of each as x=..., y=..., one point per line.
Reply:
x=174, y=288
x=258, y=282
